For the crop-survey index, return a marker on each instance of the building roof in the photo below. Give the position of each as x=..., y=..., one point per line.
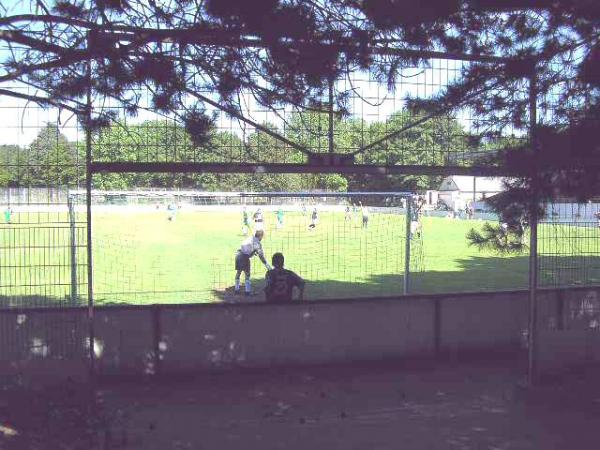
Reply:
x=464, y=183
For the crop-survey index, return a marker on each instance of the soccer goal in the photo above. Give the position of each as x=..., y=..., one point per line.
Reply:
x=179, y=246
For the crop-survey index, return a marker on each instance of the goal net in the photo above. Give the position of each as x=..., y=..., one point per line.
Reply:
x=179, y=246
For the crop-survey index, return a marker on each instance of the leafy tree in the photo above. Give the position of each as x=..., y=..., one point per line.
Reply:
x=284, y=52
x=51, y=159
x=428, y=143
x=10, y=156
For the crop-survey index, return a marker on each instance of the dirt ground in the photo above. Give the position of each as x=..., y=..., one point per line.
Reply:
x=422, y=406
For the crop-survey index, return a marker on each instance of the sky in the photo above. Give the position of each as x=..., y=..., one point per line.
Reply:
x=21, y=121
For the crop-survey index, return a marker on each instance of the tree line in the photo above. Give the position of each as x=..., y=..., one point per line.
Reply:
x=52, y=160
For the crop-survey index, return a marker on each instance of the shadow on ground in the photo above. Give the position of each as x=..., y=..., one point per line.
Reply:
x=474, y=274
x=418, y=406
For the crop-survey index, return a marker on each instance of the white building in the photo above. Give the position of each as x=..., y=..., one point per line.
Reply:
x=460, y=190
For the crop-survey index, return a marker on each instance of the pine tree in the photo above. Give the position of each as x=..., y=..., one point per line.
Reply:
x=285, y=52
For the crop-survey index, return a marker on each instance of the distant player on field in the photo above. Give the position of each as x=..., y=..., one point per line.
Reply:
x=347, y=215
x=598, y=217
x=172, y=211
x=259, y=222
x=314, y=219
x=249, y=247
x=8, y=214
x=415, y=223
x=245, y=221
x=415, y=219
x=365, y=216
x=279, y=215
x=281, y=282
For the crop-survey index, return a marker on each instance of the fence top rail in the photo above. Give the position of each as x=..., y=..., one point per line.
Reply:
x=450, y=296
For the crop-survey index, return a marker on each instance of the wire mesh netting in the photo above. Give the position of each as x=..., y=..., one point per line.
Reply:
x=43, y=244
x=43, y=254
x=163, y=247
x=569, y=244
x=372, y=119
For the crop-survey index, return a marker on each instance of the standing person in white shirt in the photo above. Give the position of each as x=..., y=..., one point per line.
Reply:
x=250, y=247
x=314, y=219
x=259, y=220
x=365, y=216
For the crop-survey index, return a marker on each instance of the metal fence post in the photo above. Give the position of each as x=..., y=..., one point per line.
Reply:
x=407, y=246
x=533, y=235
x=88, y=208
x=330, y=143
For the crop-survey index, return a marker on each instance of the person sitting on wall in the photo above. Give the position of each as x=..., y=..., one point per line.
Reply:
x=281, y=282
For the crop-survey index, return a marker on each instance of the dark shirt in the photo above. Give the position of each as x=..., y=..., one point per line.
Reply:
x=280, y=283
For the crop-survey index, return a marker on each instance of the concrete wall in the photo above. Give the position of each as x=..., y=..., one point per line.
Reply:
x=170, y=339
x=43, y=345
x=571, y=335
x=477, y=322
x=263, y=335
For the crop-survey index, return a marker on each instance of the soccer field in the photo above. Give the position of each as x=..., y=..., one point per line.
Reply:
x=140, y=257
x=145, y=258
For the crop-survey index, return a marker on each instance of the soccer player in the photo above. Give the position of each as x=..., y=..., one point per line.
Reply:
x=598, y=217
x=249, y=247
x=470, y=211
x=245, y=221
x=415, y=223
x=281, y=282
x=314, y=219
x=416, y=226
x=259, y=223
x=7, y=214
x=172, y=210
x=279, y=217
x=347, y=215
x=365, y=216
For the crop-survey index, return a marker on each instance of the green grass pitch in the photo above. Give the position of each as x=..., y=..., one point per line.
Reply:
x=144, y=258
x=140, y=257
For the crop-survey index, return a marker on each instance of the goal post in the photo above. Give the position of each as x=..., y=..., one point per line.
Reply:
x=150, y=243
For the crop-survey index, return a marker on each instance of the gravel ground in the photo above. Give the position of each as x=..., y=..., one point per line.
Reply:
x=380, y=406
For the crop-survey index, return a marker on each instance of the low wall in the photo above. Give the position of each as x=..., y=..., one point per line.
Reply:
x=40, y=346
x=170, y=339
x=570, y=336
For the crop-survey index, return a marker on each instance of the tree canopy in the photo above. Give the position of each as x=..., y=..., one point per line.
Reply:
x=284, y=51
x=190, y=53
x=52, y=160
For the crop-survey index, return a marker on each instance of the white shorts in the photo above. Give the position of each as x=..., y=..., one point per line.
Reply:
x=258, y=226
